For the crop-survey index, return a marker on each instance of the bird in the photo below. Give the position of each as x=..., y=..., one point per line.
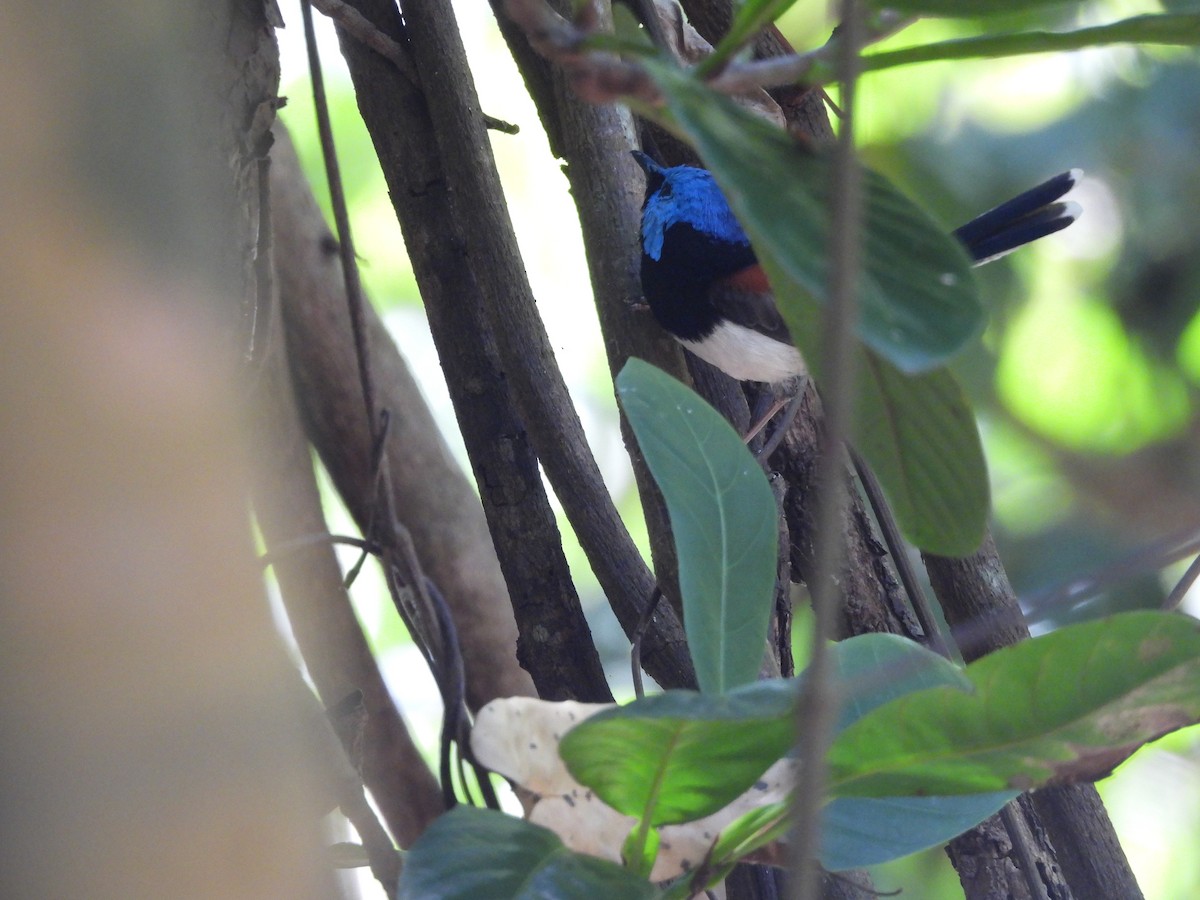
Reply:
x=704, y=285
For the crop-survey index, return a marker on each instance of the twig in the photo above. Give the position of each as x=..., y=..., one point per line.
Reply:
x=357, y=26
x=282, y=549
x=403, y=562
x=635, y=654
x=341, y=219
x=817, y=709
x=1154, y=556
x=500, y=125
x=599, y=77
x=1022, y=844
x=895, y=544
x=602, y=77
x=777, y=71
x=427, y=618
x=1185, y=583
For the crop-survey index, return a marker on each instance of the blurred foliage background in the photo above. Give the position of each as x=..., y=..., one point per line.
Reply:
x=1085, y=381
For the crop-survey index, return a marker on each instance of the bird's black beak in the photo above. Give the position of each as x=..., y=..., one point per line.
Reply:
x=654, y=172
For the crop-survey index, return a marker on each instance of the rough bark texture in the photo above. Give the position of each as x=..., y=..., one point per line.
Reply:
x=986, y=860
x=433, y=497
x=871, y=598
x=594, y=142
x=288, y=508
x=555, y=642
x=443, y=183
x=540, y=394
x=154, y=743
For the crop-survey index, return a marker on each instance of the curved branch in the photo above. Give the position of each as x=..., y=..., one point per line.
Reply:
x=440, y=508
x=444, y=176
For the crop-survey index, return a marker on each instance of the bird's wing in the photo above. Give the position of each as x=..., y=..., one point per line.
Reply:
x=745, y=298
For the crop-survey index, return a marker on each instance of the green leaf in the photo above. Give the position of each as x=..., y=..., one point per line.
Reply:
x=723, y=517
x=682, y=755
x=1064, y=707
x=470, y=853
x=752, y=830
x=867, y=831
x=918, y=299
x=918, y=434
x=749, y=19
x=864, y=831
x=874, y=669
x=640, y=850
x=1177, y=28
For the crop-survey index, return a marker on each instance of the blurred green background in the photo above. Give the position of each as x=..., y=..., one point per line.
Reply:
x=1085, y=381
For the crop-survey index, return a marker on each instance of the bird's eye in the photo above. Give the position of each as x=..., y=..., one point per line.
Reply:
x=665, y=191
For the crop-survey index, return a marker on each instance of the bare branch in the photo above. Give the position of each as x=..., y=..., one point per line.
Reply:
x=446, y=521
x=351, y=21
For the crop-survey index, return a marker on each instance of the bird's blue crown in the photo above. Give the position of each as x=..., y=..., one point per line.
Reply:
x=688, y=196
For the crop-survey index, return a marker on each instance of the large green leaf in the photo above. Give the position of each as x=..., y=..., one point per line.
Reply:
x=917, y=295
x=682, y=755
x=874, y=669
x=1064, y=707
x=723, y=517
x=866, y=831
x=679, y=756
x=919, y=436
x=469, y=854
x=1178, y=29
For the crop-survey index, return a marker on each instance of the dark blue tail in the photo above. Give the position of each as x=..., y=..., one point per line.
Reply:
x=1032, y=215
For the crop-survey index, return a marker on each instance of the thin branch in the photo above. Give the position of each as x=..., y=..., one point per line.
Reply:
x=600, y=77
x=443, y=184
x=354, y=23
x=817, y=709
x=444, y=516
x=424, y=611
x=896, y=546
x=1185, y=584
x=305, y=541
x=342, y=221
x=777, y=71
x=1022, y=844
x=400, y=559
x=635, y=654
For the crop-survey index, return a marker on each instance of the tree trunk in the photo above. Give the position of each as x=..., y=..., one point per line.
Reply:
x=155, y=743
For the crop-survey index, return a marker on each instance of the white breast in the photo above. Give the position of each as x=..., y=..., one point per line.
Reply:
x=748, y=355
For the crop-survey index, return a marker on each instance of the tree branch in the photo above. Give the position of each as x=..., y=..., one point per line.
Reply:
x=448, y=156
x=442, y=511
x=288, y=506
